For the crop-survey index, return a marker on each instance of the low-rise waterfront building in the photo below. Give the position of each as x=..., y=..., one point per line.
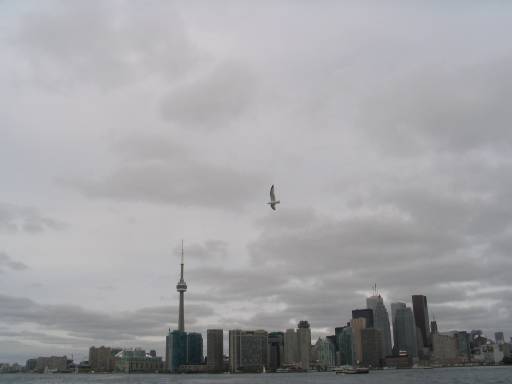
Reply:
x=102, y=359
x=137, y=360
x=51, y=364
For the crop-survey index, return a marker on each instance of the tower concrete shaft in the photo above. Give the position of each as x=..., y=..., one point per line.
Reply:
x=181, y=287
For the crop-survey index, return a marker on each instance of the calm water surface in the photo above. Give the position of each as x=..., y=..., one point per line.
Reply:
x=494, y=375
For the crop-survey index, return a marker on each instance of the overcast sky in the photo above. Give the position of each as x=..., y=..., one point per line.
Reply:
x=126, y=126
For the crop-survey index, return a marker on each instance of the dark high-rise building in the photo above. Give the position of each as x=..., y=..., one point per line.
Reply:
x=366, y=314
x=175, y=350
x=247, y=350
x=276, y=350
x=404, y=330
x=337, y=333
x=345, y=346
x=394, y=308
x=381, y=321
x=181, y=287
x=194, y=348
x=420, y=309
x=371, y=339
x=215, y=350
x=332, y=339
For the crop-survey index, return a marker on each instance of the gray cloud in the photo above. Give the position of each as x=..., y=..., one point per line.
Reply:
x=461, y=108
x=106, y=44
x=8, y=262
x=15, y=218
x=173, y=177
x=214, y=100
x=82, y=327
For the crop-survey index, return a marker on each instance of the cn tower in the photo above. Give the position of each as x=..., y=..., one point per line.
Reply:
x=181, y=287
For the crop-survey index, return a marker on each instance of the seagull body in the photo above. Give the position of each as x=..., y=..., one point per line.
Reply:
x=273, y=200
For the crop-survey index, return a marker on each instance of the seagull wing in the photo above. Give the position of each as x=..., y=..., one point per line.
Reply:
x=272, y=194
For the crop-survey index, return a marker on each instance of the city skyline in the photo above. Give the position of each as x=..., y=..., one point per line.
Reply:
x=126, y=128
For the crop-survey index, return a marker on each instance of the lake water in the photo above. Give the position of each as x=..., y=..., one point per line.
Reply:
x=494, y=375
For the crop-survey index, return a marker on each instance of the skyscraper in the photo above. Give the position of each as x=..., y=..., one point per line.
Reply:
x=215, y=350
x=175, y=350
x=371, y=340
x=247, y=350
x=420, y=308
x=394, y=307
x=381, y=321
x=324, y=353
x=276, y=350
x=358, y=324
x=366, y=314
x=291, y=345
x=304, y=340
x=345, y=346
x=404, y=330
x=194, y=348
x=181, y=287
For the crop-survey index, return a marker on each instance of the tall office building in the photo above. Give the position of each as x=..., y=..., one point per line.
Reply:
x=405, y=332
x=247, y=350
x=291, y=346
x=194, y=348
x=181, y=287
x=175, y=350
x=215, y=350
x=371, y=340
x=381, y=321
x=420, y=309
x=304, y=340
x=324, y=353
x=358, y=324
x=366, y=314
x=394, y=308
x=345, y=346
x=276, y=350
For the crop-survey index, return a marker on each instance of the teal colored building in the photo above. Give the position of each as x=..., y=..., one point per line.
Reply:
x=175, y=350
x=344, y=340
x=194, y=348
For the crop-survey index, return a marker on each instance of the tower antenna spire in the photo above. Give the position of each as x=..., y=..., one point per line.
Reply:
x=182, y=258
x=181, y=287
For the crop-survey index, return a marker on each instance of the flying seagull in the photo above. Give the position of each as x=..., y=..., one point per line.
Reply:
x=273, y=200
